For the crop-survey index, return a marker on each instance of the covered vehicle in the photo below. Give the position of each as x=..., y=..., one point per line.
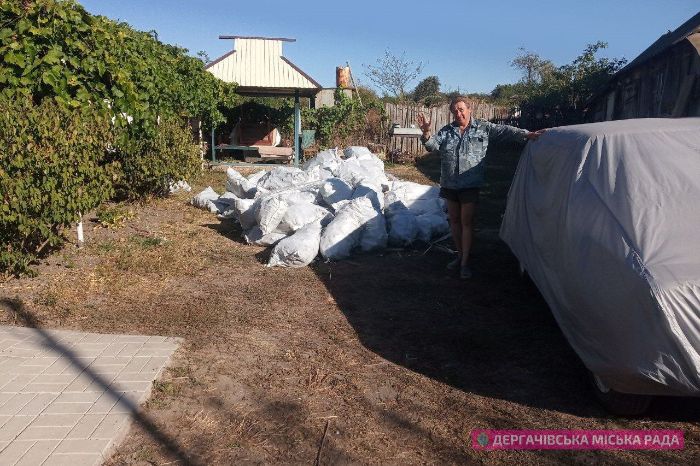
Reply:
x=605, y=218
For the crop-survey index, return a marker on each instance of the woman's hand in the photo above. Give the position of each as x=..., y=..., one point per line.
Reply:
x=424, y=125
x=533, y=135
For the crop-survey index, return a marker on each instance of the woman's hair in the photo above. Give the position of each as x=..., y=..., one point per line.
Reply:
x=456, y=100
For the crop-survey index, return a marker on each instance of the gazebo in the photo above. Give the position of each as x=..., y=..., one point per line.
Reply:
x=257, y=65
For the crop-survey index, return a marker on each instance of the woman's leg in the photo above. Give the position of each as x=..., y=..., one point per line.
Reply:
x=467, y=227
x=454, y=213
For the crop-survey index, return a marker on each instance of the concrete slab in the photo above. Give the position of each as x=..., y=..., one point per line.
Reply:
x=68, y=397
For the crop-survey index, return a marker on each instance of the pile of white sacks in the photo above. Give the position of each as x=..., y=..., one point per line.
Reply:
x=334, y=205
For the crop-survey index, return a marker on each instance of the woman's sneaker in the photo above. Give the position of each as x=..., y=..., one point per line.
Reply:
x=465, y=272
x=454, y=264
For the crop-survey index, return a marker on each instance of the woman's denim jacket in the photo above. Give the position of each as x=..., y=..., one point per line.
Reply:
x=462, y=162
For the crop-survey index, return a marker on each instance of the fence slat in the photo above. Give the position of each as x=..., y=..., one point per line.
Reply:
x=407, y=114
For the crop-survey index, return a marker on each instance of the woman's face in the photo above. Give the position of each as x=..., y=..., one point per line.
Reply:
x=461, y=113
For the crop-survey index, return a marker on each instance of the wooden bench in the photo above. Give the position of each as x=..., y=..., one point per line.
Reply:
x=253, y=154
x=271, y=154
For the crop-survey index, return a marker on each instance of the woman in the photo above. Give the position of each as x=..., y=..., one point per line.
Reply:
x=462, y=145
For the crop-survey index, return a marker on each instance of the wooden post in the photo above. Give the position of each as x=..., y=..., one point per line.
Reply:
x=79, y=230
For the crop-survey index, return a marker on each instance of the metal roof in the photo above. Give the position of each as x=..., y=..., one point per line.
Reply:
x=284, y=39
x=256, y=64
x=688, y=30
x=664, y=42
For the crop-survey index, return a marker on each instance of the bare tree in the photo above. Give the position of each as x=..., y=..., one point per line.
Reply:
x=392, y=73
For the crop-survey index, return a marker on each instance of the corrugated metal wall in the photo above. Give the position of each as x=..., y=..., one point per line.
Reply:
x=259, y=63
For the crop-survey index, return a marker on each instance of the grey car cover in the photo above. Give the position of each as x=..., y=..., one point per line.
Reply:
x=605, y=218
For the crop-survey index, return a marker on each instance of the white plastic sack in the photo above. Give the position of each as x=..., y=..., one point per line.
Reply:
x=432, y=225
x=282, y=177
x=371, y=191
x=328, y=161
x=298, y=250
x=418, y=206
x=352, y=172
x=334, y=190
x=403, y=229
x=403, y=226
x=392, y=202
x=361, y=166
x=255, y=177
x=427, y=206
x=238, y=184
x=204, y=200
x=339, y=205
x=408, y=191
x=260, y=192
x=299, y=215
x=316, y=174
x=374, y=235
x=228, y=198
x=355, y=151
x=217, y=207
x=227, y=214
x=270, y=213
x=180, y=186
x=300, y=197
x=256, y=236
x=326, y=174
x=371, y=162
x=343, y=234
x=245, y=210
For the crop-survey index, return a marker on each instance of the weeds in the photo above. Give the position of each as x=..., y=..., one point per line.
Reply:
x=107, y=246
x=68, y=261
x=149, y=242
x=114, y=217
x=182, y=373
x=162, y=390
x=49, y=299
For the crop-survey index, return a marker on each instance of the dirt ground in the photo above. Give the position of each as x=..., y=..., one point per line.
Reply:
x=381, y=359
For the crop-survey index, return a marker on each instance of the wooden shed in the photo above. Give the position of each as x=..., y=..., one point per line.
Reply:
x=663, y=81
x=257, y=65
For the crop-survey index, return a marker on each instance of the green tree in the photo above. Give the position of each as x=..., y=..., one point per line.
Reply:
x=55, y=49
x=51, y=169
x=428, y=91
x=535, y=69
x=587, y=73
x=550, y=95
x=367, y=94
x=101, y=110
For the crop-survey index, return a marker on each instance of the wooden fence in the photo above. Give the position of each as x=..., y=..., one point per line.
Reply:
x=407, y=114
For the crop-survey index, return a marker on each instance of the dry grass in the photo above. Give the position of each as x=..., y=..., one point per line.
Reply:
x=404, y=360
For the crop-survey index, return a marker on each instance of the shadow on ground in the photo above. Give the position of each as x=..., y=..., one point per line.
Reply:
x=493, y=335
x=169, y=445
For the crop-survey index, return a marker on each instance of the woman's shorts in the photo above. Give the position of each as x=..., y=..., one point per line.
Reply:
x=463, y=196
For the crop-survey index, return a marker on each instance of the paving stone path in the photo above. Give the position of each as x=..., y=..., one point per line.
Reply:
x=66, y=397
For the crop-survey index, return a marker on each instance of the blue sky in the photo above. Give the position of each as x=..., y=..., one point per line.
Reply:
x=468, y=45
